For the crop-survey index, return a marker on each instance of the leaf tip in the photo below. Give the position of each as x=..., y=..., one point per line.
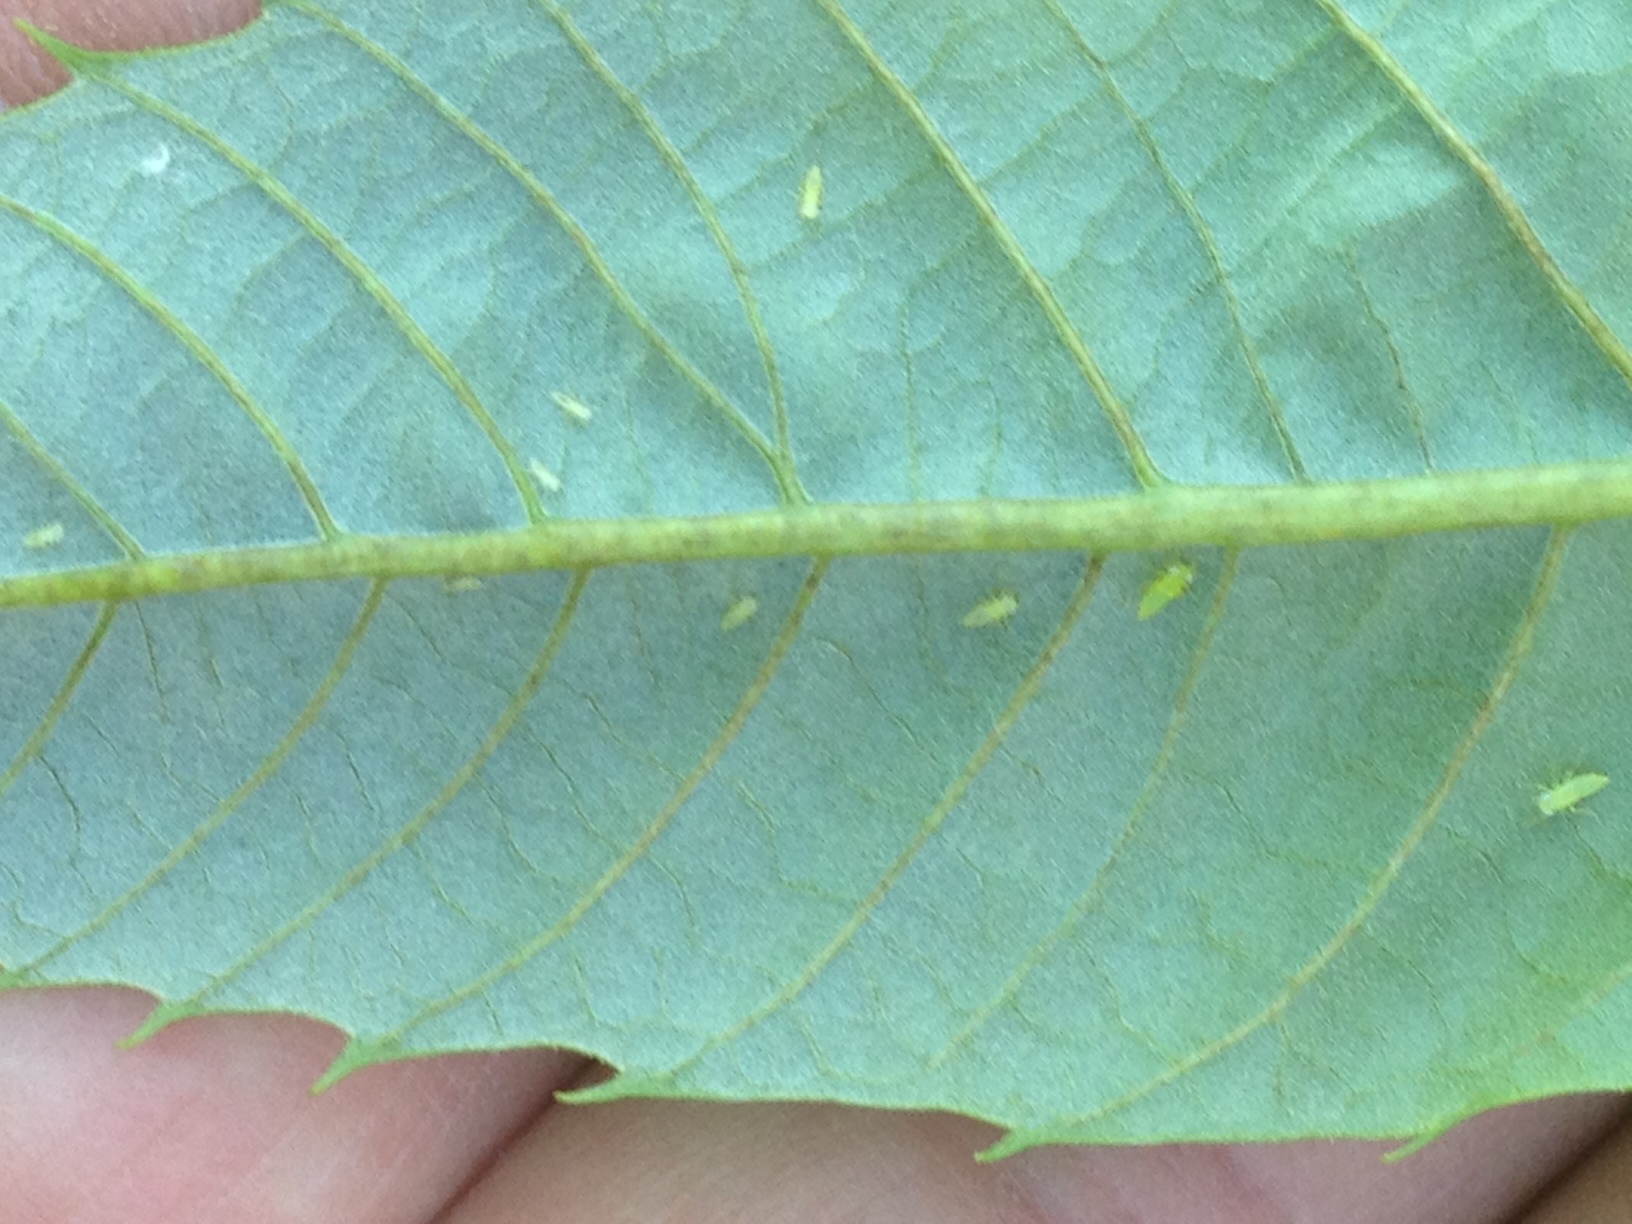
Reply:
x=1012, y=1144
x=358, y=1053
x=618, y=1087
x=71, y=56
x=161, y=1017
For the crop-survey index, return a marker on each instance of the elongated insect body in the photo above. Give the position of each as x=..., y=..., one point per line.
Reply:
x=42, y=538
x=993, y=610
x=578, y=412
x=1571, y=791
x=739, y=613
x=1167, y=586
x=547, y=480
x=810, y=194
x=462, y=584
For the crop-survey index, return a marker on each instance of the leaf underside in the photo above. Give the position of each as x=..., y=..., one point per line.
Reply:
x=952, y=829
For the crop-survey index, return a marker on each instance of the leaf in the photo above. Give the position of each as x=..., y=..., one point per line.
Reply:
x=323, y=701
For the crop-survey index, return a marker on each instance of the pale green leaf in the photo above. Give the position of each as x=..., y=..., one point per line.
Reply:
x=492, y=553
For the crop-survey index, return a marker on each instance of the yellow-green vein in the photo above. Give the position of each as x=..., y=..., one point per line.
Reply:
x=195, y=345
x=59, y=705
x=59, y=472
x=660, y=141
x=361, y=1051
x=95, y=67
x=1609, y=344
x=1144, y=468
x=1204, y=233
x=781, y=468
x=931, y=824
x=1090, y=896
x=182, y=850
x=171, y=1010
x=1518, y=651
x=1175, y=517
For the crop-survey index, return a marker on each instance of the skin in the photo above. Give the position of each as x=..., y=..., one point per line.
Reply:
x=211, y=1119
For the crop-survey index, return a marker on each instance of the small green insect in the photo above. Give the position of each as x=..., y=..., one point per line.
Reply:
x=461, y=584
x=1167, y=586
x=739, y=614
x=1571, y=791
x=547, y=480
x=577, y=411
x=42, y=538
x=993, y=610
x=810, y=194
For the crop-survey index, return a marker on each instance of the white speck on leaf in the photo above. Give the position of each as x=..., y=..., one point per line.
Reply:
x=156, y=162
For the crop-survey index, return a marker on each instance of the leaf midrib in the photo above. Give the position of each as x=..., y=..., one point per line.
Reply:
x=1226, y=517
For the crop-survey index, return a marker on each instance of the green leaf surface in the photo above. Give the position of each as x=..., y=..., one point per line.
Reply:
x=788, y=727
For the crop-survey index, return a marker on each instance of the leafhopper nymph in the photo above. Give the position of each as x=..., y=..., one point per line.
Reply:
x=1167, y=586
x=547, y=480
x=739, y=614
x=1571, y=791
x=810, y=194
x=578, y=412
x=42, y=538
x=993, y=610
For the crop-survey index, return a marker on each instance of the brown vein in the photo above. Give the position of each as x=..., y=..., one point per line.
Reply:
x=361, y=1050
x=170, y=1010
x=1144, y=468
x=273, y=761
x=1518, y=650
x=1091, y=896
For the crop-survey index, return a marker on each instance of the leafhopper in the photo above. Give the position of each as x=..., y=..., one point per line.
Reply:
x=1167, y=586
x=578, y=412
x=810, y=194
x=993, y=610
x=739, y=614
x=42, y=538
x=1571, y=791
x=547, y=480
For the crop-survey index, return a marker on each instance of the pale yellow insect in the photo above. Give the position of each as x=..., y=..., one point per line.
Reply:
x=547, y=480
x=42, y=538
x=461, y=584
x=1571, y=791
x=1167, y=586
x=810, y=194
x=739, y=613
x=993, y=610
x=578, y=412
